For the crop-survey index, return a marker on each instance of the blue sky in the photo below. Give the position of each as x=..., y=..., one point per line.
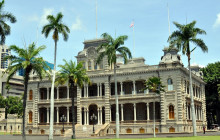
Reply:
x=150, y=21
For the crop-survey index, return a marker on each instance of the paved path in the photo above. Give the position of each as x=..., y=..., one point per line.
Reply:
x=11, y=137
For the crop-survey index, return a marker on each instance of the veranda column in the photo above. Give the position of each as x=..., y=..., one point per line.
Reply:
x=187, y=115
x=47, y=114
x=38, y=116
x=48, y=93
x=148, y=115
x=84, y=110
x=87, y=116
x=101, y=89
x=122, y=113
x=68, y=114
x=57, y=114
x=98, y=85
x=98, y=115
x=134, y=88
x=87, y=90
x=101, y=115
x=121, y=88
x=68, y=92
x=58, y=93
x=135, y=112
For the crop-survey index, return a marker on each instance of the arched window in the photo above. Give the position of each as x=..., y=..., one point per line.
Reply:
x=170, y=84
x=30, y=116
x=31, y=95
x=141, y=130
x=171, y=112
x=101, y=65
x=89, y=65
x=96, y=66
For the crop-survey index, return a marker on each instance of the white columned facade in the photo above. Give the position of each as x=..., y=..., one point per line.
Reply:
x=84, y=115
x=58, y=115
x=121, y=88
x=87, y=90
x=68, y=91
x=48, y=93
x=148, y=111
x=135, y=112
x=98, y=85
x=58, y=93
x=68, y=114
x=47, y=114
x=134, y=88
x=101, y=89
x=87, y=116
x=122, y=113
x=98, y=117
x=101, y=114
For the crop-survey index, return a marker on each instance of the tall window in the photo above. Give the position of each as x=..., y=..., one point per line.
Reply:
x=95, y=67
x=101, y=65
x=30, y=116
x=89, y=65
x=171, y=112
x=31, y=95
x=171, y=129
x=170, y=84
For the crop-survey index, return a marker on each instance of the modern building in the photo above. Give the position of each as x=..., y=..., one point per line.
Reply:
x=10, y=125
x=173, y=112
x=4, y=51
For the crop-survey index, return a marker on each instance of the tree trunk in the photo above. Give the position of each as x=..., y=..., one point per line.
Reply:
x=192, y=99
x=52, y=96
x=73, y=111
x=154, y=117
x=26, y=78
x=116, y=102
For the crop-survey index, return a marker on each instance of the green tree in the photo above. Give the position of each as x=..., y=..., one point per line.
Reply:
x=111, y=48
x=14, y=105
x=5, y=29
x=2, y=101
x=211, y=75
x=153, y=84
x=29, y=60
x=55, y=24
x=72, y=74
x=182, y=38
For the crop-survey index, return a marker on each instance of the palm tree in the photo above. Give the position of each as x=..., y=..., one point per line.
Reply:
x=5, y=29
x=182, y=38
x=29, y=60
x=110, y=49
x=153, y=84
x=55, y=24
x=72, y=74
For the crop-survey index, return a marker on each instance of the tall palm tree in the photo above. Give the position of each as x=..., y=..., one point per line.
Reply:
x=72, y=73
x=55, y=24
x=5, y=29
x=153, y=84
x=182, y=38
x=110, y=49
x=27, y=59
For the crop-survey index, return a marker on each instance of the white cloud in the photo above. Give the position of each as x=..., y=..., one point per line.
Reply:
x=195, y=64
x=33, y=18
x=217, y=21
x=77, y=25
x=43, y=18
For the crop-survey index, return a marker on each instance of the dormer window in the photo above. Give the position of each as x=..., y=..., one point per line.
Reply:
x=170, y=84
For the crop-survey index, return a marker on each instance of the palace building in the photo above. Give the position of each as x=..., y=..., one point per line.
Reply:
x=173, y=112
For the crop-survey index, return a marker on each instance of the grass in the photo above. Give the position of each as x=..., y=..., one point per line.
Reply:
x=174, y=138
x=8, y=133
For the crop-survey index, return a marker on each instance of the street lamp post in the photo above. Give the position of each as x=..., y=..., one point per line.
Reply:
x=93, y=118
x=63, y=119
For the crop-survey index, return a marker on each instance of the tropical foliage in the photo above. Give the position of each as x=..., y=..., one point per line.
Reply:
x=154, y=84
x=73, y=74
x=55, y=24
x=29, y=60
x=211, y=75
x=5, y=29
x=181, y=39
x=112, y=48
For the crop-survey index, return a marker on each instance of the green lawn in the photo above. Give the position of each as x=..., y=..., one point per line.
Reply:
x=8, y=133
x=175, y=138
